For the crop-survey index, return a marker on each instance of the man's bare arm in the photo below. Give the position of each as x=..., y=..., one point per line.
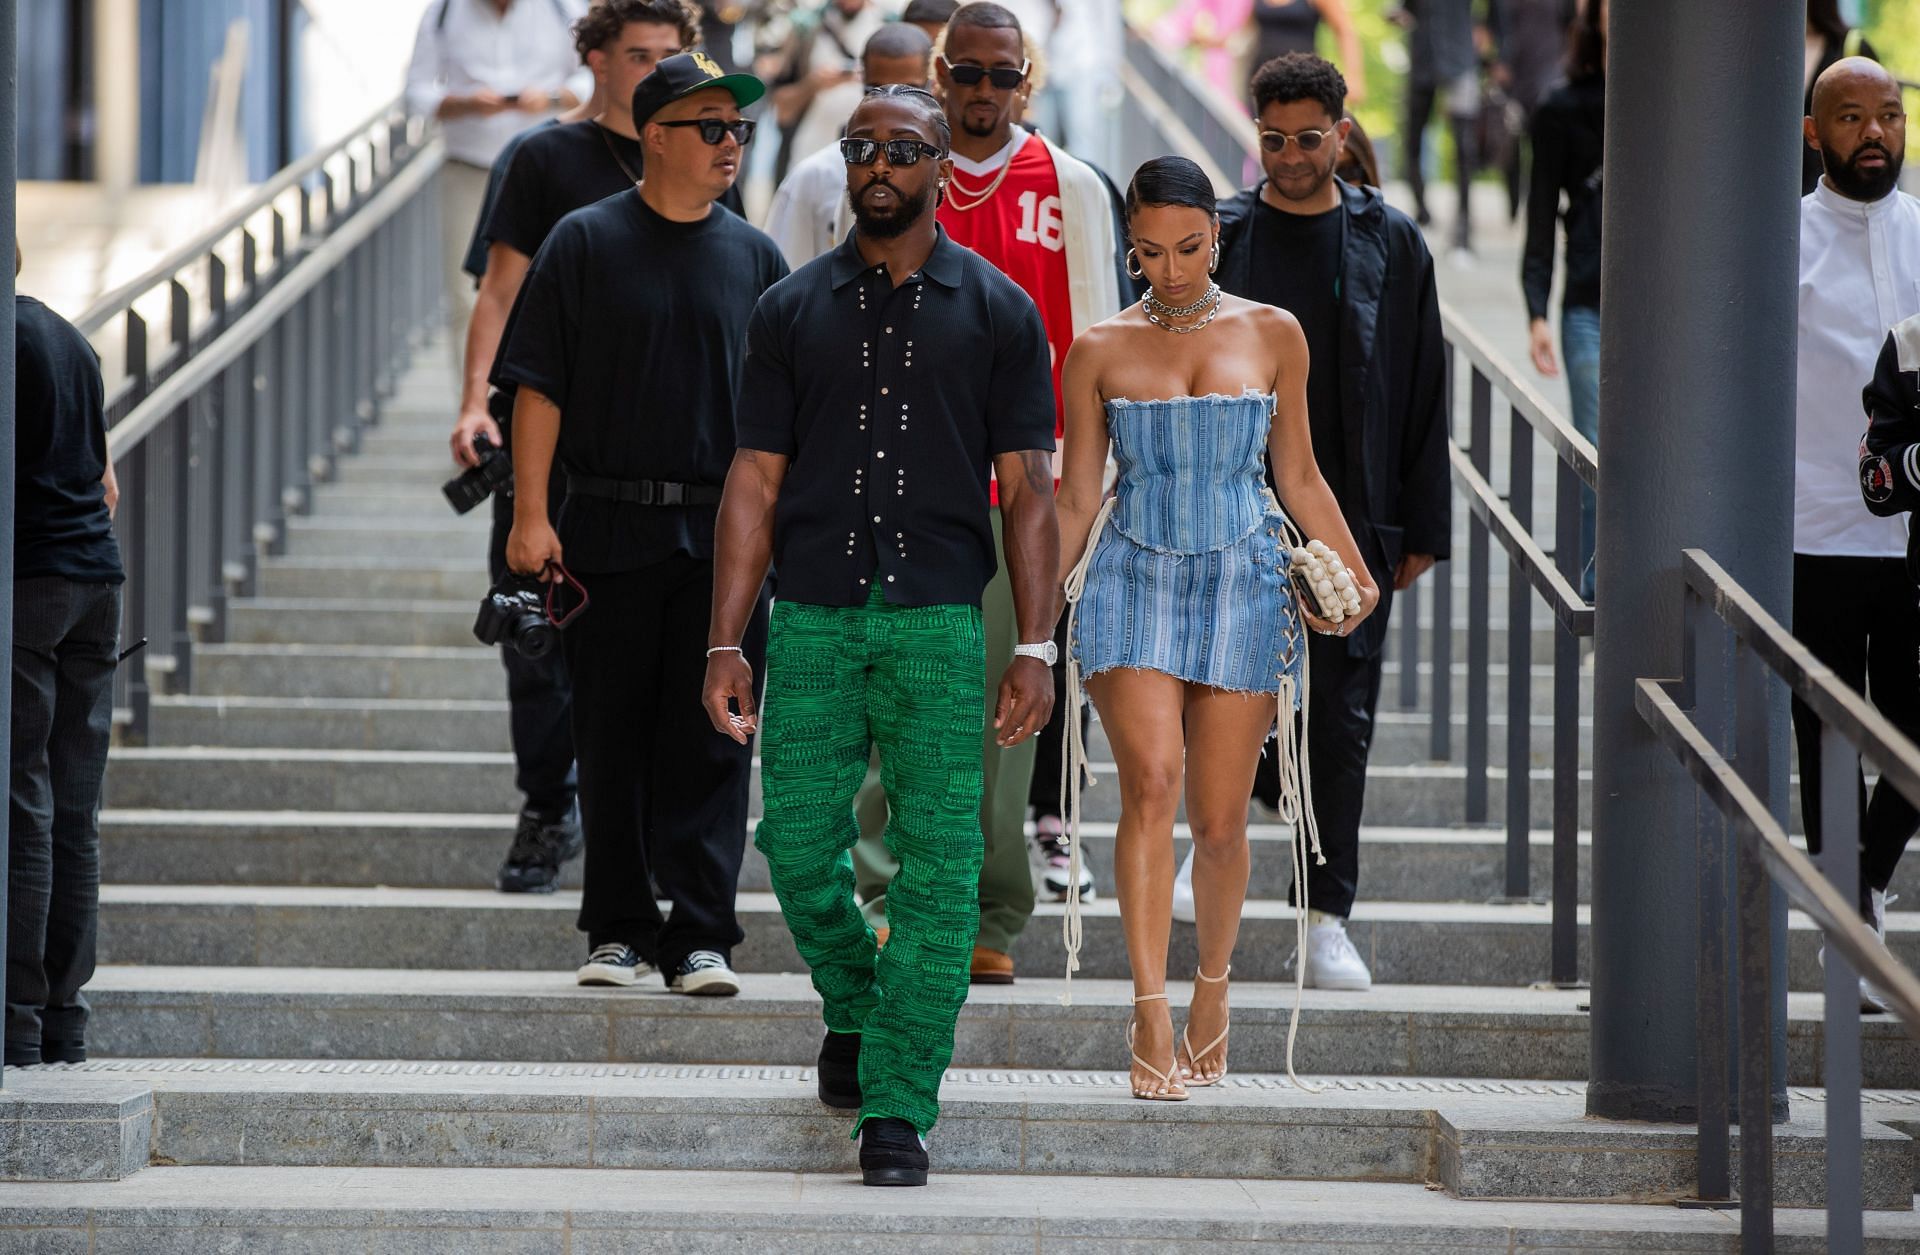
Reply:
x=506, y=270
x=1032, y=541
x=743, y=548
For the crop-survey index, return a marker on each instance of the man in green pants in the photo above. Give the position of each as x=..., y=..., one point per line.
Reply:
x=862, y=474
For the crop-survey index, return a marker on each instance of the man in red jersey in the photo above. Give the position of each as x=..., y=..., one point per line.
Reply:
x=1045, y=219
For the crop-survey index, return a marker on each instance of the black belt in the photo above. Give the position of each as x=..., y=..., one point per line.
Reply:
x=642, y=491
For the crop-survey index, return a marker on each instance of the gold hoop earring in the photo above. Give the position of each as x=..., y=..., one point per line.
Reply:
x=1134, y=269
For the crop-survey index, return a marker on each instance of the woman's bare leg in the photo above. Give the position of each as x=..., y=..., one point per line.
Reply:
x=1142, y=712
x=1224, y=733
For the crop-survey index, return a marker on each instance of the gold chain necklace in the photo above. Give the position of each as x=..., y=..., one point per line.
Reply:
x=979, y=198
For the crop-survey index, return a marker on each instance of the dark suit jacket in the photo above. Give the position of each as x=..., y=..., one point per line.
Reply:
x=1398, y=492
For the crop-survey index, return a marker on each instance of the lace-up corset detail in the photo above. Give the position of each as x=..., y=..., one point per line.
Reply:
x=1191, y=475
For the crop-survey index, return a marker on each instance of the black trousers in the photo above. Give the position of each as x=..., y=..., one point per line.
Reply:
x=1419, y=102
x=539, y=696
x=65, y=636
x=1860, y=616
x=1050, y=743
x=663, y=797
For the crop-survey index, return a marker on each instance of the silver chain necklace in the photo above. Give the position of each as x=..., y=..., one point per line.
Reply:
x=1160, y=314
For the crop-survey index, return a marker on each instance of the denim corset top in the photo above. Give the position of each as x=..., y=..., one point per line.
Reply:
x=1192, y=478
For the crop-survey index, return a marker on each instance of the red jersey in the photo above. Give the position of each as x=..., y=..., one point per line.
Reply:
x=1018, y=229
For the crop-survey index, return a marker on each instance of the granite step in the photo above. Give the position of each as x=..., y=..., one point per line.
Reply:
x=1513, y=1140
x=405, y=470
x=482, y=724
x=521, y=1211
x=462, y=851
x=1412, y=943
x=469, y=672
x=375, y=620
x=1392, y=1030
x=219, y=777
x=456, y=538
x=402, y=579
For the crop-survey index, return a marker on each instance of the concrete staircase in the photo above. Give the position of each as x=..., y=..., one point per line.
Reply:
x=324, y=1030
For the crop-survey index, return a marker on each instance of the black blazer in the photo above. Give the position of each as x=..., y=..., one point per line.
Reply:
x=1397, y=494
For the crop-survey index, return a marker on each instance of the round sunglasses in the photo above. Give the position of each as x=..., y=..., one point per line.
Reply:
x=1309, y=141
x=713, y=130
x=900, y=152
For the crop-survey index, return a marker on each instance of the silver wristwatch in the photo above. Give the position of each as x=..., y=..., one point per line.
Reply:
x=1045, y=651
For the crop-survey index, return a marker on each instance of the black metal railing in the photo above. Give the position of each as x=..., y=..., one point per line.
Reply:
x=241, y=365
x=1716, y=718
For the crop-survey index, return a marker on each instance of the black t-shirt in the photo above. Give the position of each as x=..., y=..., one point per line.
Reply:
x=477, y=244
x=1296, y=266
x=559, y=169
x=888, y=478
x=635, y=327
x=61, y=526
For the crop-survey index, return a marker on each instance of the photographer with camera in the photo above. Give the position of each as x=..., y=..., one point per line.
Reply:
x=555, y=170
x=626, y=348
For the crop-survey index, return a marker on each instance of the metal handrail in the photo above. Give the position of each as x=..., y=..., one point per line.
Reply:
x=288, y=320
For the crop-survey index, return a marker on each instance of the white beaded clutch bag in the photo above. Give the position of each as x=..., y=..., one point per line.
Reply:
x=1325, y=585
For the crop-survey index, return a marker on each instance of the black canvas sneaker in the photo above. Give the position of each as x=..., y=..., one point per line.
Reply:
x=539, y=846
x=612, y=964
x=705, y=973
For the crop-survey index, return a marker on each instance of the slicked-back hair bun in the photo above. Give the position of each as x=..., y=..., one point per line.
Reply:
x=1171, y=181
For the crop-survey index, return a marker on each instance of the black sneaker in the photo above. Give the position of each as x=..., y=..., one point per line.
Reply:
x=839, y=1070
x=705, y=972
x=612, y=964
x=23, y=1054
x=539, y=846
x=892, y=1152
x=62, y=1051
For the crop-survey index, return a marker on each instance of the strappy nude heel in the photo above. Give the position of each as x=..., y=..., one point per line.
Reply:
x=1190, y=1068
x=1177, y=1092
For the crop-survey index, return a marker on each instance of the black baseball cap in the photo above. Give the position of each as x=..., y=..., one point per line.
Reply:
x=680, y=76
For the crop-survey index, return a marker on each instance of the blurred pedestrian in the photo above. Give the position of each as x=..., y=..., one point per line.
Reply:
x=626, y=350
x=1283, y=26
x=1829, y=38
x=1358, y=165
x=806, y=206
x=878, y=641
x=1530, y=41
x=483, y=67
x=66, y=627
x=1443, y=50
x=1567, y=151
x=1853, y=602
x=819, y=80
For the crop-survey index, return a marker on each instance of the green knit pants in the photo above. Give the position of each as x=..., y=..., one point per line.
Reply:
x=911, y=682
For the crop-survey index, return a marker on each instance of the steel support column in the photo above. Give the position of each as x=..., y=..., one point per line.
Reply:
x=1696, y=448
x=9, y=229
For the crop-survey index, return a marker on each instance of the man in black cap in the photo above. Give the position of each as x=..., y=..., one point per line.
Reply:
x=625, y=346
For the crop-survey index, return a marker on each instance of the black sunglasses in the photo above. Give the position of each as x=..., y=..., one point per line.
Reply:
x=713, y=130
x=900, y=152
x=1003, y=78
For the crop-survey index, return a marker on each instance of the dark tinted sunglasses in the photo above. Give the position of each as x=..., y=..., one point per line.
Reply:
x=1003, y=78
x=900, y=152
x=1309, y=141
x=713, y=130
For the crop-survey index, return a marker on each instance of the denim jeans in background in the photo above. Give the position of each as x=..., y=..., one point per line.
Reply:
x=65, y=638
x=1580, y=346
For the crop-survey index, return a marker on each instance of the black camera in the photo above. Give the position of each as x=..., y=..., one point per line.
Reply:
x=477, y=483
x=514, y=613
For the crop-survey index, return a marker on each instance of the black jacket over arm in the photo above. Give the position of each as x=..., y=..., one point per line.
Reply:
x=1398, y=491
x=1890, y=451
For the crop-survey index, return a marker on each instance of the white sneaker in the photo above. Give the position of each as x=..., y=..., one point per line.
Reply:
x=613, y=964
x=1332, y=962
x=1183, y=890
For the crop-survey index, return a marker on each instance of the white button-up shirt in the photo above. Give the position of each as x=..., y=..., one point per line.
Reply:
x=1859, y=275
x=466, y=46
x=806, y=206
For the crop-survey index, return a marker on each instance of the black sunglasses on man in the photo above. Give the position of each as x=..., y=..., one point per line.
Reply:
x=713, y=130
x=900, y=152
x=1005, y=78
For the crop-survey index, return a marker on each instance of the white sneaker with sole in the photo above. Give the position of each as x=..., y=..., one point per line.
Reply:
x=1183, y=890
x=612, y=964
x=1332, y=962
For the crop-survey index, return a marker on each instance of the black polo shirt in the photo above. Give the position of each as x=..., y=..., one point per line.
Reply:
x=891, y=404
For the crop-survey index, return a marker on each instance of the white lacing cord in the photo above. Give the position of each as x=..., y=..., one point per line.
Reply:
x=1296, y=804
x=1072, y=785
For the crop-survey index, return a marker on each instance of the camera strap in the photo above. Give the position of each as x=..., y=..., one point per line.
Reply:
x=553, y=587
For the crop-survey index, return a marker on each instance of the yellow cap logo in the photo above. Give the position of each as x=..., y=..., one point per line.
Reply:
x=706, y=65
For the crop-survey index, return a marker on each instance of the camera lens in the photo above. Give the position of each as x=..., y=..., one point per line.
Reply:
x=532, y=635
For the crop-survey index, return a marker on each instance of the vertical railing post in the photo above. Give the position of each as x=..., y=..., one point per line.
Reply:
x=1840, y=1044
x=1441, y=747
x=1407, y=606
x=1704, y=652
x=1566, y=741
x=1478, y=602
x=1519, y=668
x=1754, y=895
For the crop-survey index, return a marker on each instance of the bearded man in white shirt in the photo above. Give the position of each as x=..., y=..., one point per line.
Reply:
x=1854, y=605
